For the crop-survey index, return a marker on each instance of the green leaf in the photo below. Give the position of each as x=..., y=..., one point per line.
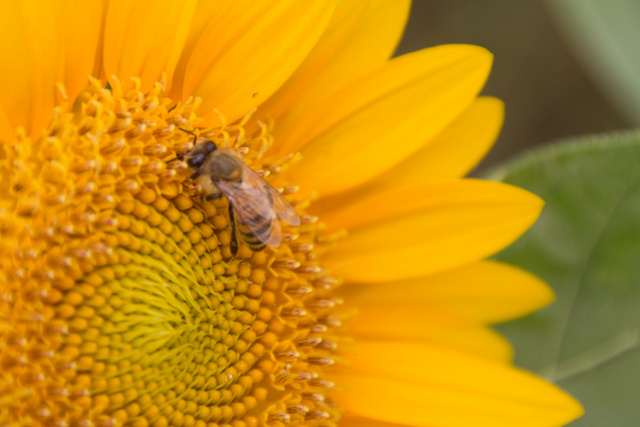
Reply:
x=586, y=245
x=605, y=35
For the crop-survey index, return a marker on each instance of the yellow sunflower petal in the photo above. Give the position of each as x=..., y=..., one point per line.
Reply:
x=360, y=36
x=487, y=291
x=56, y=44
x=350, y=420
x=32, y=49
x=411, y=232
x=454, y=152
x=82, y=29
x=144, y=38
x=424, y=385
x=205, y=14
x=243, y=59
x=386, y=116
x=417, y=323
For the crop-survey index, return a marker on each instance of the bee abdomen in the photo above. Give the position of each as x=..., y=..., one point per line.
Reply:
x=256, y=248
x=255, y=239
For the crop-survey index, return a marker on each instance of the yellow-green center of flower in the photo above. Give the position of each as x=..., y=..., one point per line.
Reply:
x=121, y=303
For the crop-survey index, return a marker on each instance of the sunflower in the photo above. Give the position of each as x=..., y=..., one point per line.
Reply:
x=122, y=300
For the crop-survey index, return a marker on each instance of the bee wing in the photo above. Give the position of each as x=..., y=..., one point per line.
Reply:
x=258, y=205
x=282, y=208
x=252, y=206
x=285, y=211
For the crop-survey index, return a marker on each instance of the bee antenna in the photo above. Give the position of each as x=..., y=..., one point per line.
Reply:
x=195, y=137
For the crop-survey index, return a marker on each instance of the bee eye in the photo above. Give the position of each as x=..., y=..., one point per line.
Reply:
x=210, y=147
x=196, y=160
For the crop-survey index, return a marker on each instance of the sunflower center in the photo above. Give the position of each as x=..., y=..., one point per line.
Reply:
x=121, y=300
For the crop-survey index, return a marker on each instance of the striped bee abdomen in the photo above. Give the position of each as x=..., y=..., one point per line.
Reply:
x=256, y=236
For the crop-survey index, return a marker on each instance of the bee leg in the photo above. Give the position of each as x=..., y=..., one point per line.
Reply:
x=233, y=245
x=178, y=157
x=212, y=196
x=196, y=174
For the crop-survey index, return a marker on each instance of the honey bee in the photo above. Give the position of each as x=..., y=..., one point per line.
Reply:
x=254, y=205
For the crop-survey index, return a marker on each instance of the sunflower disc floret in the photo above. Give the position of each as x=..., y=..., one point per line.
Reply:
x=121, y=302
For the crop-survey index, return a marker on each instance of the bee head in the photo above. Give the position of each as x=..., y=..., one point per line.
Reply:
x=200, y=153
x=196, y=160
x=209, y=146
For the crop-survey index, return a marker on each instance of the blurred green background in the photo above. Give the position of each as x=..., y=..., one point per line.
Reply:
x=547, y=91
